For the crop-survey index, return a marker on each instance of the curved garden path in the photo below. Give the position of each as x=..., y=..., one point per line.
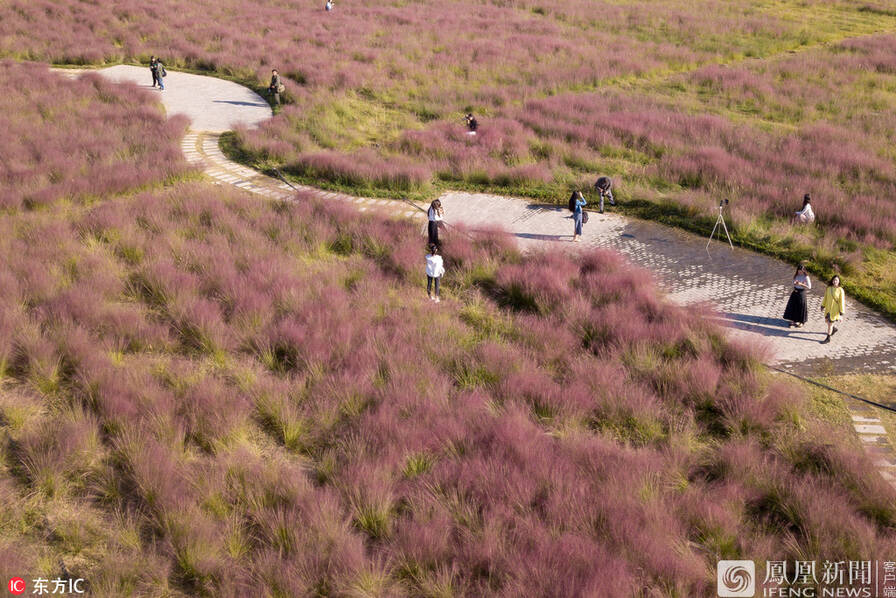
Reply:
x=748, y=290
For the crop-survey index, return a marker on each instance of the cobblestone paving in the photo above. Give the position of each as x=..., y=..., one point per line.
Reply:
x=748, y=290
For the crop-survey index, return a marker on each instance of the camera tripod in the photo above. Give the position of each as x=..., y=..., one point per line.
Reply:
x=720, y=220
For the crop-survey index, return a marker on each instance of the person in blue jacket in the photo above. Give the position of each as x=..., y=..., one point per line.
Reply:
x=577, y=215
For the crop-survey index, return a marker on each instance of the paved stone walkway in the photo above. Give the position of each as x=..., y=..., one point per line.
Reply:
x=203, y=148
x=748, y=290
x=211, y=104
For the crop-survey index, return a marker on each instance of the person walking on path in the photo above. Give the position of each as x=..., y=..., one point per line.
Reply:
x=276, y=87
x=436, y=214
x=577, y=202
x=154, y=69
x=434, y=271
x=797, y=310
x=161, y=73
x=833, y=305
x=604, y=189
x=805, y=215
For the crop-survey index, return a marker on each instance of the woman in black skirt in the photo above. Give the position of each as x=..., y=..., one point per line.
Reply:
x=436, y=214
x=797, y=311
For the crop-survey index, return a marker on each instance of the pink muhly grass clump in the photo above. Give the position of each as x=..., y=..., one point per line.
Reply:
x=82, y=139
x=395, y=173
x=59, y=452
x=539, y=285
x=498, y=153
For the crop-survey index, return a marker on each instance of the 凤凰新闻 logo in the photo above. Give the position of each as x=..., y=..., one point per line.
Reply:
x=736, y=579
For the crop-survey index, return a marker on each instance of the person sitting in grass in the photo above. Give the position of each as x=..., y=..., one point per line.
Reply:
x=806, y=215
x=472, y=124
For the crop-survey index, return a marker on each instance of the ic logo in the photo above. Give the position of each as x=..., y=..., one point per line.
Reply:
x=736, y=579
x=16, y=586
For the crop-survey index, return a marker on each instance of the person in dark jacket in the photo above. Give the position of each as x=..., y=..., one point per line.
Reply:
x=604, y=189
x=153, y=68
x=472, y=124
x=276, y=87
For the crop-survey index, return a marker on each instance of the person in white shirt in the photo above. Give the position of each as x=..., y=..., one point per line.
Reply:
x=436, y=215
x=434, y=271
x=806, y=215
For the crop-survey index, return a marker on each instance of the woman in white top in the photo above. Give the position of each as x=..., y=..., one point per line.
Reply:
x=806, y=215
x=434, y=270
x=436, y=215
x=797, y=311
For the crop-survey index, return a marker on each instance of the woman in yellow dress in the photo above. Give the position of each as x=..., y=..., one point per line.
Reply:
x=833, y=305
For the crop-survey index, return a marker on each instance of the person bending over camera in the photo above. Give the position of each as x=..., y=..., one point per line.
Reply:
x=604, y=185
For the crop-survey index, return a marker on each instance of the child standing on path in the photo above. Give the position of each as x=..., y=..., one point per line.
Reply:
x=833, y=306
x=434, y=271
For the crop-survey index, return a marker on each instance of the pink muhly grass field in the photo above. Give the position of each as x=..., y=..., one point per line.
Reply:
x=384, y=46
x=206, y=394
x=262, y=396
x=79, y=140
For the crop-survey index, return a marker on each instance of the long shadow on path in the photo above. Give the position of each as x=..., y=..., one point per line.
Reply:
x=764, y=326
x=235, y=103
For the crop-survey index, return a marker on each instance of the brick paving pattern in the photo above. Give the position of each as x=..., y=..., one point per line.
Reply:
x=749, y=291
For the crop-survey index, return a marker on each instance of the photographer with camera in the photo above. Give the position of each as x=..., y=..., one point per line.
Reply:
x=276, y=87
x=603, y=186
